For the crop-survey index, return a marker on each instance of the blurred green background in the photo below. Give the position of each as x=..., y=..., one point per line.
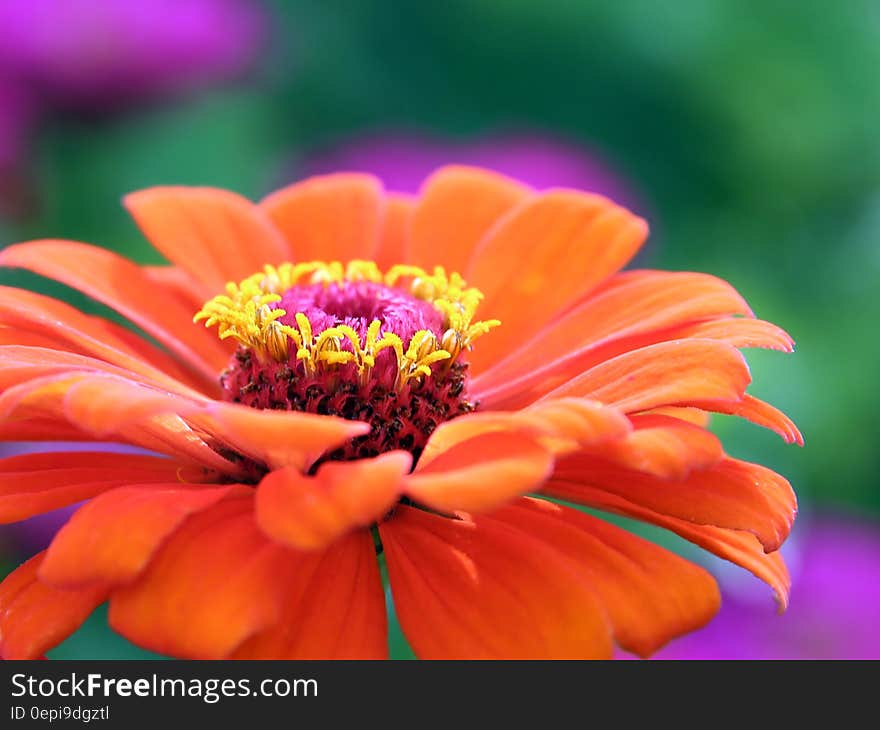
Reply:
x=748, y=131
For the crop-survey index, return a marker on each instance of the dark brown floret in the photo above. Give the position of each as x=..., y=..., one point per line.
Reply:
x=401, y=418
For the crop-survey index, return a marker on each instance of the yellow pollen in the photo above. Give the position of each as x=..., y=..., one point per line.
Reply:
x=246, y=313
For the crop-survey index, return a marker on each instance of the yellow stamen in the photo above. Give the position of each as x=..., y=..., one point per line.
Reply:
x=421, y=354
x=246, y=313
x=363, y=271
x=450, y=295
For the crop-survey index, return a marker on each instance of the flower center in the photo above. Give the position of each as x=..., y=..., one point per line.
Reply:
x=352, y=342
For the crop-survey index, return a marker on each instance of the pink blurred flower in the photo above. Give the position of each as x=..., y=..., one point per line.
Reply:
x=403, y=159
x=835, y=565
x=96, y=56
x=86, y=52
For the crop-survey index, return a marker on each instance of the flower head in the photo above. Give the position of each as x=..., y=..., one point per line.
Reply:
x=352, y=342
x=371, y=372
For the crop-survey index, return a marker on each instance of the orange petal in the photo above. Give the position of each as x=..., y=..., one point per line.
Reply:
x=664, y=446
x=92, y=401
x=456, y=206
x=174, y=282
x=479, y=474
x=214, y=583
x=334, y=608
x=111, y=539
x=630, y=303
x=20, y=363
x=308, y=513
x=169, y=434
x=41, y=407
x=542, y=258
x=31, y=484
x=576, y=420
x=651, y=595
x=275, y=438
x=68, y=329
x=684, y=413
x=33, y=379
x=559, y=425
x=740, y=333
x=516, y=392
x=481, y=589
x=61, y=386
x=35, y=617
x=41, y=429
x=209, y=387
x=669, y=373
x=89, y=400
x=733, y=494
x=329, y=217
x=215, y=235
x=741, y=548
x=394, y=236
x=17, y=336
x=123, y=286
x=499, y=389
x=759, y=412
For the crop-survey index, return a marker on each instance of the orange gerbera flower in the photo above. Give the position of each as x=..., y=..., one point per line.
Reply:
x=354, y=403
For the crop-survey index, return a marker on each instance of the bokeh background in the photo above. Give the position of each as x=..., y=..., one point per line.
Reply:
x=746, y=132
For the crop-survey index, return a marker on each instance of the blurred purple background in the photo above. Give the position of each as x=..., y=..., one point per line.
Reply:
x=835, y=566
x=403, y=159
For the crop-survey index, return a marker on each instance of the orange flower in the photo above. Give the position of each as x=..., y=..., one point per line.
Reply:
x=354, y=403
